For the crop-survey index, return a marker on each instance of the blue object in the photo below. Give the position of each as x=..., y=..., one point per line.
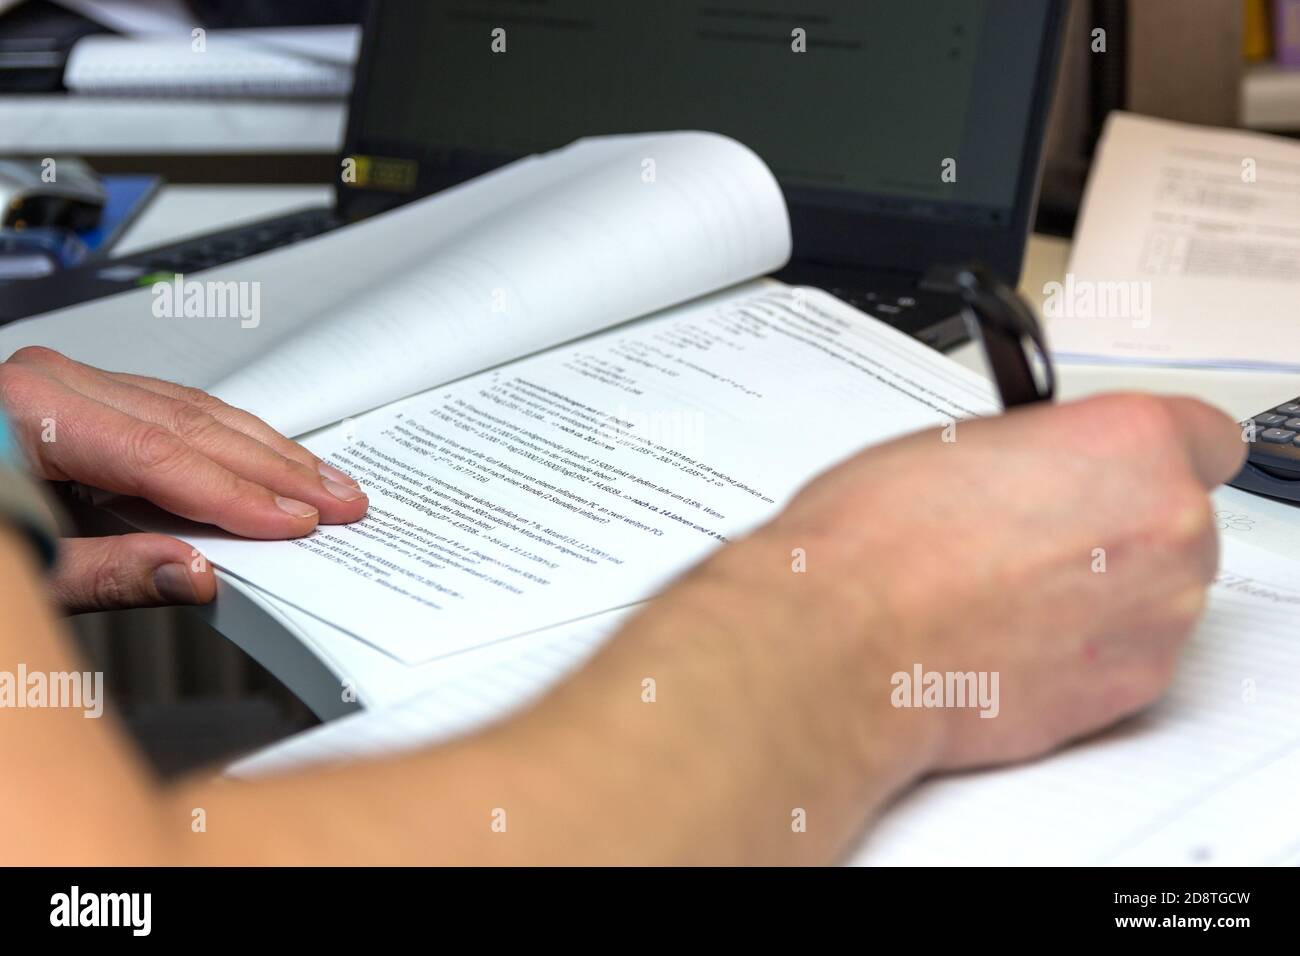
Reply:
x=128, y=196
x=9, y=453
x=40, y=251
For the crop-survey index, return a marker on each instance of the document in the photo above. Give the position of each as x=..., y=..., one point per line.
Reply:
x=587, y=477
x=1209, y=775
x=1187, y=251
x=558, y=383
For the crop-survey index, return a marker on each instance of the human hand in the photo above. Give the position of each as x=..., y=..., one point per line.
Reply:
x=177, y=447
x=1067, y=548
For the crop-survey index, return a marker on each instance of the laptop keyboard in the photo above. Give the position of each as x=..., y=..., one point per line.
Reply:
x=91, y=280
x=933, y=318
x=239, y=243
x=881, y=304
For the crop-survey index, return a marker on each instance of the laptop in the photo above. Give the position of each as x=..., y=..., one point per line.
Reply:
x=905, y=135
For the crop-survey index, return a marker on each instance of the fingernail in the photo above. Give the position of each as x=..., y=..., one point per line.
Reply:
x=333, y=474
x=173, y=584
x=299, y=509
x=340, y=491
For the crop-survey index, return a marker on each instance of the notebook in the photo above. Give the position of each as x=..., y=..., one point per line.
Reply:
x=1206, y=776
x=304, y=62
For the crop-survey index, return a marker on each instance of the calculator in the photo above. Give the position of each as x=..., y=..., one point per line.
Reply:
x=1273, y=465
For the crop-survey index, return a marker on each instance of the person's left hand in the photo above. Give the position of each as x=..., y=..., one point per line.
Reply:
x=177, y=447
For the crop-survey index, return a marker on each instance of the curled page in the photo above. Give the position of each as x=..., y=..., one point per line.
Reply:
x=604, y=231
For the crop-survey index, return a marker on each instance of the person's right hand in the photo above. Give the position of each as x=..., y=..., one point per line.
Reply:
x=1066, y=547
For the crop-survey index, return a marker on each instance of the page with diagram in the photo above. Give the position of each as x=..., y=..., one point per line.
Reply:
x=1187, y=236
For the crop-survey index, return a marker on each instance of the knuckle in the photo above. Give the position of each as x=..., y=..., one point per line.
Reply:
x=201, y=399
x=110, y=586
x=1143, y=417
x=152, y=448
x=14, y=381
x=1131, y=426
x=37, y=355
x=237, y=497
x=191, y=422
x=286, y=473
x=1187, y=518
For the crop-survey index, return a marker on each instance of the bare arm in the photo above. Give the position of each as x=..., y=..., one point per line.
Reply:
x=760, y=746
x=772, y=687
x=712, y=771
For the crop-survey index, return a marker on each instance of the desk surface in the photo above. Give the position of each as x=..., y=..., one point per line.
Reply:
x=313, y=659
x=65, y=123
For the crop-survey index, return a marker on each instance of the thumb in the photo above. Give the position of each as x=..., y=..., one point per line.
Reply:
x=130, y=570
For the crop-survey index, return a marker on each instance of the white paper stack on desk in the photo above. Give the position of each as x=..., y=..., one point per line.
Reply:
x=1187, y=251
x=264, y=62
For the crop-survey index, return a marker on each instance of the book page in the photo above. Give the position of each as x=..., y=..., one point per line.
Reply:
x=587, y=477
x=295, y=284
x=1207, y=775
x=646, y=222
x=358, y=293
x=460, y=694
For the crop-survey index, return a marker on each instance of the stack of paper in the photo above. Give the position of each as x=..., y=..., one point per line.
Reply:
x=1187, y=251
x=303, y=61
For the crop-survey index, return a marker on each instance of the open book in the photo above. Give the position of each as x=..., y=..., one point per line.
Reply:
x=532, y=454
x=546, y=250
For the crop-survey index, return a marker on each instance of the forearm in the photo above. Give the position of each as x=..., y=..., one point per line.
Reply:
x=72, y=790
x=768, y=738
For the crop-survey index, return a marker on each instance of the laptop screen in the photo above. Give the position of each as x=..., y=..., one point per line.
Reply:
x=917, y=109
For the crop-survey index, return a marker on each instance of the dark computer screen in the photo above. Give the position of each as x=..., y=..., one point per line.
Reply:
x=886, y=91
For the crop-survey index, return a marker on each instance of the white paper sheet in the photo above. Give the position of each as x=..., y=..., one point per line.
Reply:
x=297, y=283
x=234, y=63
x=1208, y=775
x=342, y=278
x=460, y=694
x=613, y=230
x=1187, y=251
x=585, y=478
